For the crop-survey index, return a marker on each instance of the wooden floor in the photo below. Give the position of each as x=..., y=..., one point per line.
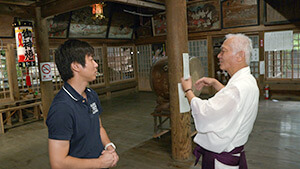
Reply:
x=273, y=144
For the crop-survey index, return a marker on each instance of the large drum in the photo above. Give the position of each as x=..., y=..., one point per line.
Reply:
x=160, y=81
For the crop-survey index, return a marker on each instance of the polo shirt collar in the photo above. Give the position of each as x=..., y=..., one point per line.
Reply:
x=73, y=93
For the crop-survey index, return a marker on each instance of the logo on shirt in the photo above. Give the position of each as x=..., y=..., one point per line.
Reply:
x=94, y=108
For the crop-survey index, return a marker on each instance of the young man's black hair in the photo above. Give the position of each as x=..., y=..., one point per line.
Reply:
x=71, y=51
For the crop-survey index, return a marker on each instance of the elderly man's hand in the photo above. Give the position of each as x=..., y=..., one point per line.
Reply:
x=207, y=81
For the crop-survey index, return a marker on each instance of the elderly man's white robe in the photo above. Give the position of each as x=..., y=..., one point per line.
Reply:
x=225, y=121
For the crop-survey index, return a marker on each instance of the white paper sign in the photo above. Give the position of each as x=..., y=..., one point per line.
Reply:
x=183, y=101
x=46, y=74
x=186, y=65
x=279, y=40
x=262, y=67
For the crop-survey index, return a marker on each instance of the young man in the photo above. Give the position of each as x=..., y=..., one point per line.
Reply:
x=77, y=138
x=225, y=121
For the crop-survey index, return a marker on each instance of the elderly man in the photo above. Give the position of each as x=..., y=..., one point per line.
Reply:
x=225, y=121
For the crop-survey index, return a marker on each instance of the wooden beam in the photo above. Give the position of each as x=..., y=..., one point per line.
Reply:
x=19, y=107
x=249, y=29
x=284, y=86
x=17, y=2
x=62, y=6
x=25, y=12
x=158, y=1
x=55, y=42
x=141, y=3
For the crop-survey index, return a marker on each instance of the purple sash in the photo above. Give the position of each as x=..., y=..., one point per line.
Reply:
x=227, y=158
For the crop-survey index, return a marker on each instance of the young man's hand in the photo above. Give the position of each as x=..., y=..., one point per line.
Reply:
x=112, y=155
x=106, y=160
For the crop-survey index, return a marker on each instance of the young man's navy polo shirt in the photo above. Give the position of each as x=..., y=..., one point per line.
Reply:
x=71, y=117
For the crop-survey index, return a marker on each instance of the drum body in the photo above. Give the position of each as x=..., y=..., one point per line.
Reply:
x=159, y=76
x=159, y=79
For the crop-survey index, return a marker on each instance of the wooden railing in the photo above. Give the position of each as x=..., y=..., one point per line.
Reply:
x=13, y=107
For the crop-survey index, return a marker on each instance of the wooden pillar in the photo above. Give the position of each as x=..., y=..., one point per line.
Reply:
x=12, y=72
x=261, y=79
x=135, y=66
x=20, y=114
x=177, y=44
x=1, y=124
x=106, y=70
x=14, y=91
x=9, y=122
x=211, y=62
x=42, y=50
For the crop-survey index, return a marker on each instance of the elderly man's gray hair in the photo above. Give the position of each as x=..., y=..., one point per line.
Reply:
x=239, y=43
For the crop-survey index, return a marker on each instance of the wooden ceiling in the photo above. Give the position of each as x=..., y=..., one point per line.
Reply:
x=26, y=8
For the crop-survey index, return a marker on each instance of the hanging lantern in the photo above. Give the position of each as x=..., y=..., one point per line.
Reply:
x=24, y=43
x=98, y=10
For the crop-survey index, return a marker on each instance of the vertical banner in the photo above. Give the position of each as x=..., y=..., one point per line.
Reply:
x=24, y=43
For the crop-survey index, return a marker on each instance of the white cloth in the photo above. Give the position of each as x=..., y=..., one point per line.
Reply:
x=225, y=121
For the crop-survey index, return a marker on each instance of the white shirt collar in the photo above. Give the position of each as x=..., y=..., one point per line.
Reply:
x=245, y=70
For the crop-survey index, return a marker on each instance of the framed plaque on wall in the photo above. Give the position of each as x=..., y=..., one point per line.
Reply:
x=239, y=13
x=280, y=12
x=159, y=24
x=83, y=24
x=58, y=25
x=204, y=15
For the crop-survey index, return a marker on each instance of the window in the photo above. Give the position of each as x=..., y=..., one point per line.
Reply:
x=284, y=64
x=198, y=48
x=99, y=60
x=4, y=86
x=120, y=63
x=144, y=61
x=56, y=78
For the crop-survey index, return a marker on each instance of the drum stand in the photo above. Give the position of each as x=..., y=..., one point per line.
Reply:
x=161, y=115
